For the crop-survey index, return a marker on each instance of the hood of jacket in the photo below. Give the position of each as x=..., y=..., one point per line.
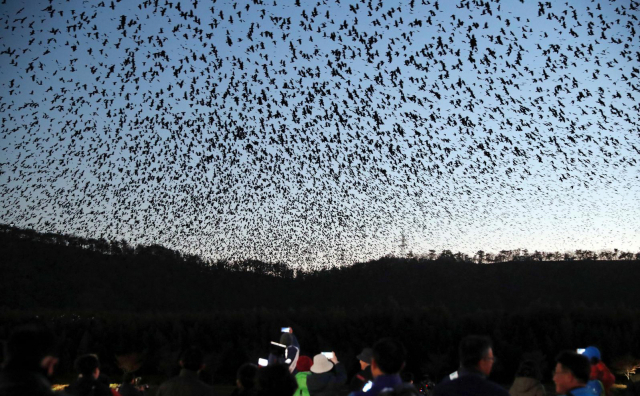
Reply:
x=523, y=385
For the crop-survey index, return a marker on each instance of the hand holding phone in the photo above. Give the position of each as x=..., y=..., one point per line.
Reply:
x=286, y=330
x=331, y=356
x=328, y=355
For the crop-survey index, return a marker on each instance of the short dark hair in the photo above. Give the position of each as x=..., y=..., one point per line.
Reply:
x=192, y=359
x=529, y=368
x=389, y=355
x=28, y=345
x=576, y=363
x=87, y=365
x=247, y=374
x=276, y=380
x=472, y=349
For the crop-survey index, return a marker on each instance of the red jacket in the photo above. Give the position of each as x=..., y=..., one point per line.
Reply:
x=601, y=373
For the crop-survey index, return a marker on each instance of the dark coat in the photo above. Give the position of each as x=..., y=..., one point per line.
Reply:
x=129, y=390
x=24, y=382
x=85, y=386
x=381, y=384
x=244, y=392
x=329, y=383
x=470, y=383
x=185, y=384
x=361, y=378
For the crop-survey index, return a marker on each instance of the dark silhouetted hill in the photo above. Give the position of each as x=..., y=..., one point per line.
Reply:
x=48, y=271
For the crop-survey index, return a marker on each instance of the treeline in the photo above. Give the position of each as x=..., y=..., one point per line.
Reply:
x=35, y=274
x=122, y=247
x=150, y=344
x=482, y=257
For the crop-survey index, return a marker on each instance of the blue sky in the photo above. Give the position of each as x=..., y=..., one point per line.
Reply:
x=323, y=139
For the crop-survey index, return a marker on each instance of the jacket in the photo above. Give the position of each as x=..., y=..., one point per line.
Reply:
x=185, y=384
x=381, y=383
x=127, y=389
x=526, y=386
x=301, y=378
x=327, y=384
x=88, y=386
x=581, y=391
x=24, y=382
x=360, y=379
x=601, y=373
x=469, y=383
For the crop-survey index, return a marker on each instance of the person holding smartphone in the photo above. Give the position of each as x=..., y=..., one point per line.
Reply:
x=286, y=351
x=364, y=375
x=328, y=375
x=388, y=358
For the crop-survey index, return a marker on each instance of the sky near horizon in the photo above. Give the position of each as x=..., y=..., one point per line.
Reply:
x=320, y=132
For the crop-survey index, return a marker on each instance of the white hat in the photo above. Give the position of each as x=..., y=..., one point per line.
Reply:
x=321, y=364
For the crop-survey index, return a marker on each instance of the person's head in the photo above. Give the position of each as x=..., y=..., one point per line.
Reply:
x=572, y=371
x=88, y=366
x=286, y=339
x=28, y=348
x=246, y=376
x=593, y=354
x=321, y=364
x=276, y=380
x=192, y=359
x=528, y=368
x=388, y=357
x=476, y=352
x=304, y=363
x=365, y=358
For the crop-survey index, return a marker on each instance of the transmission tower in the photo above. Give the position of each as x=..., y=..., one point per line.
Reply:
x=403, y=245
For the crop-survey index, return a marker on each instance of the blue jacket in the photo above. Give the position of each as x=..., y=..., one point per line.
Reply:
x=380, y=383
x=583, y=391
x=595, y=387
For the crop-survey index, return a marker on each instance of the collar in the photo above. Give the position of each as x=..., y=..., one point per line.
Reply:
x=470, y=371
x=387, y=380
x=188, y=373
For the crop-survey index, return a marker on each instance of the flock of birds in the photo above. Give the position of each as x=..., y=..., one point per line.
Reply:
x=320, y=132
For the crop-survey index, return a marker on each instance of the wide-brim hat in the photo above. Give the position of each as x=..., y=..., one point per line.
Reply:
x=366, y=355
x=321, y=364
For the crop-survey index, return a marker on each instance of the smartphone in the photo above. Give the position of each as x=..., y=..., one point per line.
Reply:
x=581, y=350
x=285, y=329
x=328, y=355
x=263, y=362
x=367, y=386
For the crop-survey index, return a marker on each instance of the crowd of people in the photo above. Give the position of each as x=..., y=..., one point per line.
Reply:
x=29, y=365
